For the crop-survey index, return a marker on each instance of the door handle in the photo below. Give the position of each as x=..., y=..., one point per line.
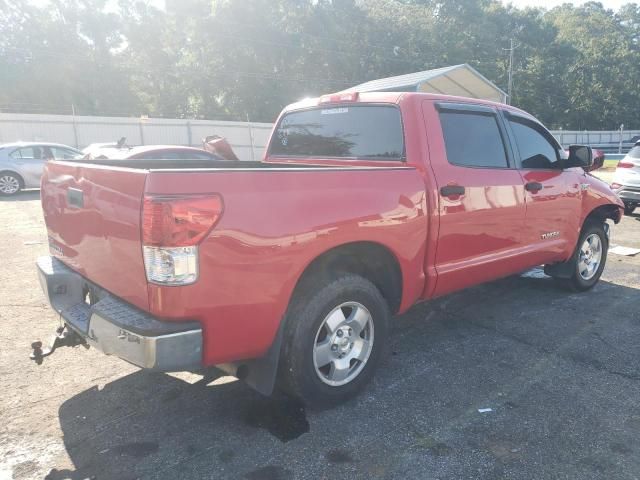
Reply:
x=533, y=186
x=452, y=190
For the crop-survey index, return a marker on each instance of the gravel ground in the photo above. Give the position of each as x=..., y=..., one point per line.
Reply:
x=559, y=371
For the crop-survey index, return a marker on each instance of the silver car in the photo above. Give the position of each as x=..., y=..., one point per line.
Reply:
x=21, y=163
x=626, y=180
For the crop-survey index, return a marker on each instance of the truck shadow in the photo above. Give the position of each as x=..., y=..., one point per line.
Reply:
x=471, y=348
x=23, y=196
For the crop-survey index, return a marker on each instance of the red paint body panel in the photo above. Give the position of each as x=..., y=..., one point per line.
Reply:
x=274, y=225
x=276, y=221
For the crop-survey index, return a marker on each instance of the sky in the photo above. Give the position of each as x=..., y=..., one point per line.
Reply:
x=612, y=4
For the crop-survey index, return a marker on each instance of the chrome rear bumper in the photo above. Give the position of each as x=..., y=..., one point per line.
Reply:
x=117, y=328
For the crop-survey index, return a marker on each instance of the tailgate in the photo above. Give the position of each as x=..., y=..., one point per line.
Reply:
x=93, y=216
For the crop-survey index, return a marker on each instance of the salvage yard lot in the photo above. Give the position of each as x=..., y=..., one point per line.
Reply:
x=559, y=371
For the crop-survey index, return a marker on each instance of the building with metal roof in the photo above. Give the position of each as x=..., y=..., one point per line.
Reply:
x=461, y=80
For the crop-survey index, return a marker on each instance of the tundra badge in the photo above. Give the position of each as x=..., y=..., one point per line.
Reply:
x=548, y=235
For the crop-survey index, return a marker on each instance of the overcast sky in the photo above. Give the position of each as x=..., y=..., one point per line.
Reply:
x=612, y=4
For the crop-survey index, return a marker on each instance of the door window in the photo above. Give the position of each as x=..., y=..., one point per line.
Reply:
x=537, y=147
x=473, y=139
x=63, y=153
x=27, y=153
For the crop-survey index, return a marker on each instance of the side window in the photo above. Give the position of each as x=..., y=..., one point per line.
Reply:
x=27, y=153
x=63, y=153
x=473, y=139
x=537, y=147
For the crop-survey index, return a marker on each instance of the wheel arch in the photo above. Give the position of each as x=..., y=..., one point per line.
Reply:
x=603, y=212
x=371, y=260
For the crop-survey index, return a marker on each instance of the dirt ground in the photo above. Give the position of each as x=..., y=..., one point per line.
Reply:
x=559, y=371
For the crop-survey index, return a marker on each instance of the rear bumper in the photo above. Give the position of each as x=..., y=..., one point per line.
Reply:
x=117, y=328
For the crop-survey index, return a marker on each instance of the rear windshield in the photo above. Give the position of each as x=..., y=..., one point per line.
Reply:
x=350, y=131
x=634, y=152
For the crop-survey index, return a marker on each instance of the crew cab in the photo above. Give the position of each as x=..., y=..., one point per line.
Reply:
x=287, y=272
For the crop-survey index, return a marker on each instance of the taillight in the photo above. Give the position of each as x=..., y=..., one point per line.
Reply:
x=625, y=164
x=172, y=228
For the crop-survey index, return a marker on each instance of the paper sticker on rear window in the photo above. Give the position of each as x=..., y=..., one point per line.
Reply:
x=332, y=111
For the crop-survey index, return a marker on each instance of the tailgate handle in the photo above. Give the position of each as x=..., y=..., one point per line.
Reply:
x=75, y=197
x=452, y=190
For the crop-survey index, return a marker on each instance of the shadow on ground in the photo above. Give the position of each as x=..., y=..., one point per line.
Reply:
x=559, y=371
x=23, y=196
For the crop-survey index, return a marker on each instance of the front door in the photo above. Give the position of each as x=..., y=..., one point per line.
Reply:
x=480, y=192
x=552, y=195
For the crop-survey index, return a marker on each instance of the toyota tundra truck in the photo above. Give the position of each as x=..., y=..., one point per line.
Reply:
x=287, y=272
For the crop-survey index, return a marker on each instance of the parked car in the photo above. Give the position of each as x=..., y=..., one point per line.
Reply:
x=158, y=152
x=286, y=271
x=21, y=163
x=626, y=180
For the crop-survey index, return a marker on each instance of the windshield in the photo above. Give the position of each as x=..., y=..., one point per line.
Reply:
x=350, y=131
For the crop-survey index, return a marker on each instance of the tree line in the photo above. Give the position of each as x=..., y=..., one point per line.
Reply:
x=575, y=67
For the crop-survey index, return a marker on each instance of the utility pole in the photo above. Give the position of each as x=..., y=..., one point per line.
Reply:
x=512, y=47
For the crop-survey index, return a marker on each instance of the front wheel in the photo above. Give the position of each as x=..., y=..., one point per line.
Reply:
x=589, y=258
x=334, y=340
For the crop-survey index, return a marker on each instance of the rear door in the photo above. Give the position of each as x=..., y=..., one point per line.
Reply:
x=481, y=195
x=29, y=162
x=553, y=195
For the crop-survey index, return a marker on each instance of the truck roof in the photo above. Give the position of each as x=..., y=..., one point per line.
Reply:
x=394, y=97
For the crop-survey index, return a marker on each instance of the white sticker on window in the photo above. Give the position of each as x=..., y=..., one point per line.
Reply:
x=332, y=111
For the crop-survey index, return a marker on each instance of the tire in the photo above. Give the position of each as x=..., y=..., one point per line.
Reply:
x=584, y=274
x=628, y=208
x=10, y=183
x=349, y=304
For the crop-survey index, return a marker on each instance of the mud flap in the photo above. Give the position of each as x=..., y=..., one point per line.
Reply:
x=260, y=373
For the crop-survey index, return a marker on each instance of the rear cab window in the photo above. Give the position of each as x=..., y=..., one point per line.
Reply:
x=349, y=131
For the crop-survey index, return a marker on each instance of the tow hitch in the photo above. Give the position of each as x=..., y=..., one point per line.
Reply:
x=64, y=337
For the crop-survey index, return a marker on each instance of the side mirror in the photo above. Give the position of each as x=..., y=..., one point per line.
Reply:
x=598, y=161
x=580, y=156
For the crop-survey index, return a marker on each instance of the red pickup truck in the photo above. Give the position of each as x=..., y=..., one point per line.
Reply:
x=287, y=271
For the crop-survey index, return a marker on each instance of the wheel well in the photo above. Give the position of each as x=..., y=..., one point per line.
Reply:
x=604, y=212
x=370, y=260
x=15, y=174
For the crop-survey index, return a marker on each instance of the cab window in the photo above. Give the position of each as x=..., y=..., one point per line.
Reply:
x=473, y=139
x=538, y=149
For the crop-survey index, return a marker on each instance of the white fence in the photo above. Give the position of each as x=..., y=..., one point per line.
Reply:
x=247, y=139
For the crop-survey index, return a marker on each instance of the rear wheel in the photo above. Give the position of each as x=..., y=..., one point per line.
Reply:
x=10, y=183
x=334, y=340
x=589, y=259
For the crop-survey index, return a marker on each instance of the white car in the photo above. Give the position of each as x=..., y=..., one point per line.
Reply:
x=21, y=163
x=626, y=180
